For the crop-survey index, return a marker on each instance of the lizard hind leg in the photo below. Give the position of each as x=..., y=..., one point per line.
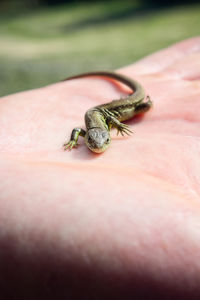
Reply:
x=142, y=107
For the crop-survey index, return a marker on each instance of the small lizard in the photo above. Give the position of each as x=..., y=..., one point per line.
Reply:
x=100, y=119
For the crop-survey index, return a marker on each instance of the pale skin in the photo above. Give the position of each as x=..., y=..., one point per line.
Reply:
x=117, y=225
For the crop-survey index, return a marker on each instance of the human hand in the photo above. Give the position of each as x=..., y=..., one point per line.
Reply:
x=121, y=225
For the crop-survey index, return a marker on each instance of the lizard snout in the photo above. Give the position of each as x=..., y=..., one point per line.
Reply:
x=97, y=139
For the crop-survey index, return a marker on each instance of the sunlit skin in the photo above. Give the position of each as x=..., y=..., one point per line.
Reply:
x=121, y=225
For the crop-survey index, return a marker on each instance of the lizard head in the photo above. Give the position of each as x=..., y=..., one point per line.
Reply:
x=97, y=139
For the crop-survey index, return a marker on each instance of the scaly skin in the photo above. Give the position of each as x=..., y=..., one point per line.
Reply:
x=100, y=119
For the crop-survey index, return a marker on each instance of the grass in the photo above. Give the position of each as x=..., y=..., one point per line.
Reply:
x=41, y=46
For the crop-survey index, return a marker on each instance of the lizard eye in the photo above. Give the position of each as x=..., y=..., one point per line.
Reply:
x=107, y=141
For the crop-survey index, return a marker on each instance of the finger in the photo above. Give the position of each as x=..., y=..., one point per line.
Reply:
x=161, y=60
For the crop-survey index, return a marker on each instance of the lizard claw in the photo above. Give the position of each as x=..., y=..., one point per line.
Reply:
x=70, y=145
x=123, y=129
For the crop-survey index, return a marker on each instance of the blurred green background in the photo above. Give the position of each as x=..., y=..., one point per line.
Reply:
x=44, y=41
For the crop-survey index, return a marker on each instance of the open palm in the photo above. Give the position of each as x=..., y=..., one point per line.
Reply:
x=123, y=224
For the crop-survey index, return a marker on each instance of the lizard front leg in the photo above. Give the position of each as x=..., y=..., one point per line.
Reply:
x=112, y=120
x=73, y=143
x=121, y=127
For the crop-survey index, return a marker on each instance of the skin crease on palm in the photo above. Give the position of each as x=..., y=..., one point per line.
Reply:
x=119, y=225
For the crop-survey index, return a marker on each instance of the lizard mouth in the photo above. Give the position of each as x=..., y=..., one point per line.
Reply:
x=98, y=150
